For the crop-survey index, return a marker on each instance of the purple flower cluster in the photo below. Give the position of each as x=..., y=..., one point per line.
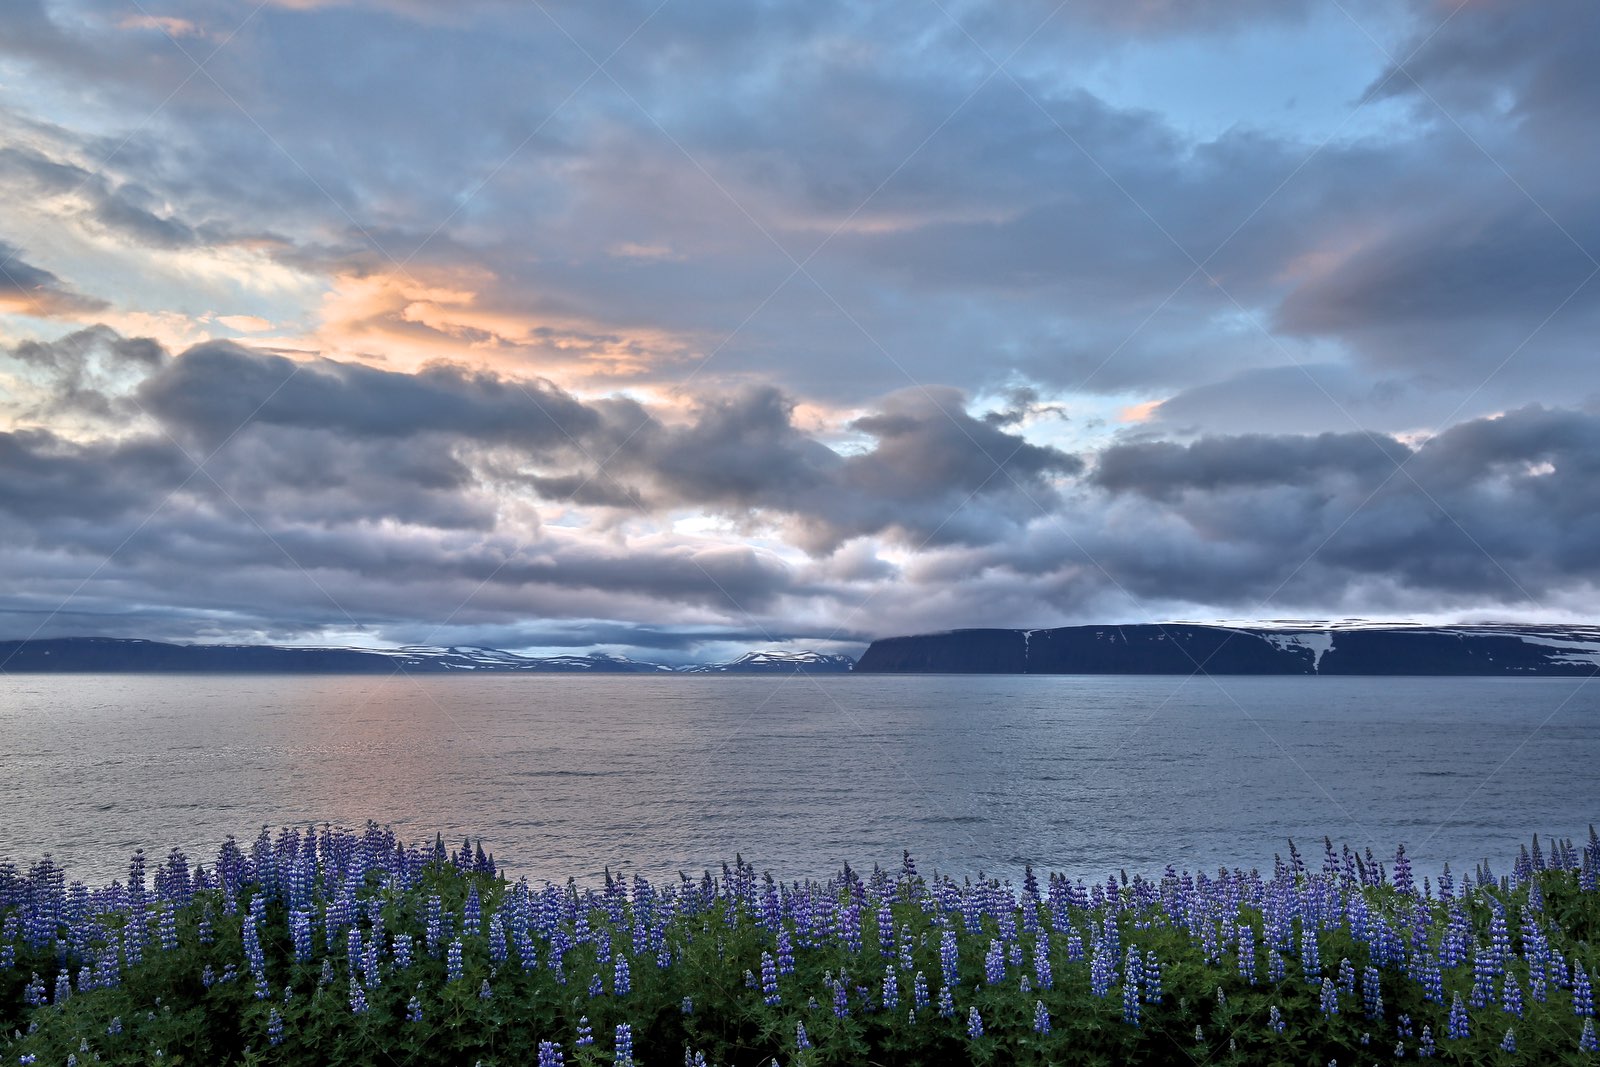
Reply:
x=371, y=913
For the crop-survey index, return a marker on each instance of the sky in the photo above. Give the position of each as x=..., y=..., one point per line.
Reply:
x=676, y=328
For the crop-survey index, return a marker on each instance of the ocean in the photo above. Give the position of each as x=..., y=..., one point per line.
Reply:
x=565, y=776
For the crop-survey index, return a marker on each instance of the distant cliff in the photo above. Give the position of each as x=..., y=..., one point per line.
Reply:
x=1186, y=648
x=111, y=655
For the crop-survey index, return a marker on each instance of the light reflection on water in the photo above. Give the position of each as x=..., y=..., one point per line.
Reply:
x=566, y=775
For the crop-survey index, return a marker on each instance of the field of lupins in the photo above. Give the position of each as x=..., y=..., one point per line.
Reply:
x=339, y=947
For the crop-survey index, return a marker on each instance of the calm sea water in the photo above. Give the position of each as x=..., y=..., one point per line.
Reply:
x=563, y=776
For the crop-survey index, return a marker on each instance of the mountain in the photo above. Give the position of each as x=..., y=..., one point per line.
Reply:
x=774, y=662
x=110, y=655
x=1279, y=648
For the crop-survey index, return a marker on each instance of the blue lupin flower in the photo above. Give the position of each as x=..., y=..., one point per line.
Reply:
x=1509, y=1042
x=622, y=980
x=1247, y=953
x=1041, y=1018
x=413, y=1010
x=891, y=989
x=687, y=1007
x=274, y=1028
x=1132, y=972
x=1330, y=997
x=974, y=1023
x=402, y=951
x=1042, y=975
x=1152, y=977
x=919, y=991
x=597, y=988
x=550, y=1054
x=485, y=992
x=801, y=1041
x=1427, y=1048
x=1275, y=1019
x=358, y=998
x=1582, y=992
x=1372, y=993
x=947, y=959
x=947, y=1003
x=1586, y=1040
x=585, y=1034
x=994, y=964
x=1458, y=1027
x=1310, y=959
x=624, y=1042
x=785, y=952
x=453, y=965
x=1511, y=995
x=769, y=980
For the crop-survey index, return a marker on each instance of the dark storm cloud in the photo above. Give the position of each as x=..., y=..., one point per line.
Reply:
x=739, y=453
x=1503, y=508
x=269, y=490
x=217, y=387
x=1463, y=263
x=934, y=474
x=1534, y=61
x=1162, y=469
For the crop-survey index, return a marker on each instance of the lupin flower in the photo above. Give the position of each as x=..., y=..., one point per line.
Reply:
x=947, y=1004
x=402, y=951
x=624, y=1042
x=947, y=959
x=585, y=1034
x=1509, y=1042
x=1427, y=1048
x=1275, y=1019
x=994, y=964
x=1152, y=977
x=1582, y=992
x=891, y=989
x=1511, y=995
x=274, y=1028
x=769, y=980
x=801, y=1041
x=1458, y=1026
x=413, y=1010
x=1132, y=973
x=550, y=1054
x=485, y=992
x=1330, y=997
x=453, y=964
x=919, y=991
x=1247, y=953
x=1041, y=1018
x=622, y=979
x=1310, y=960
x=1586, y=1039
x=1372, y=993
x=358, y=998
x=974, y=1023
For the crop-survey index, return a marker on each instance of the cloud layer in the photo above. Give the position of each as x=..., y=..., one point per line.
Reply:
x=629, y=321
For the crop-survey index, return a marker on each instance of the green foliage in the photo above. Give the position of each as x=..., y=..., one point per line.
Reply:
x=172, y=1009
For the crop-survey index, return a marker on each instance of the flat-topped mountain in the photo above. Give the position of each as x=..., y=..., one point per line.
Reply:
x=85, y=655
x=1286, y=648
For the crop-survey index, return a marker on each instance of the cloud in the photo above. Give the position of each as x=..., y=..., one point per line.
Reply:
x=29, y=290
